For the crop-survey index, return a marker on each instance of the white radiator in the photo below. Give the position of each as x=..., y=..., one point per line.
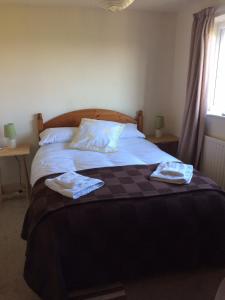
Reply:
x=213, y=160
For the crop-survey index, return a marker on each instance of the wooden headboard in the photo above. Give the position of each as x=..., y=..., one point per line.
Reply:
x=72, y=119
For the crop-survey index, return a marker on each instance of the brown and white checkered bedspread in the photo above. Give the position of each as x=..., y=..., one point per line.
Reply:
x=124, y=182
x=130, y=226
x=134, y=181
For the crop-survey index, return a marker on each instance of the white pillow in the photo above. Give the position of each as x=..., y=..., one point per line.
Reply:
x=131, y=131
x=97, y=135
x=57, y=135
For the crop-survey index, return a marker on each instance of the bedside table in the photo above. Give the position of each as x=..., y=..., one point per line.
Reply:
x=20, y=153
x=167, y=143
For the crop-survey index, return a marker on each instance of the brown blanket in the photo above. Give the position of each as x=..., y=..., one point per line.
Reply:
x=120, y=183
x=132, y=225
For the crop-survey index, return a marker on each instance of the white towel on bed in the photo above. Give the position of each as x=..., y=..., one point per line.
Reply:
x=173, y=172
x=73, y=185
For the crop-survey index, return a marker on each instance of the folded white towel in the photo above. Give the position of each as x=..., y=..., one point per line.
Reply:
x=66, y=180
x=73, y=185
x=173, y=172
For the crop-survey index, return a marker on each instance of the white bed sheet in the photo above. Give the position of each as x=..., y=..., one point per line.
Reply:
x=58, y=158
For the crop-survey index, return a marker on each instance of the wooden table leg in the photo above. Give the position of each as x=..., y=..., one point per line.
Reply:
x=27, y=181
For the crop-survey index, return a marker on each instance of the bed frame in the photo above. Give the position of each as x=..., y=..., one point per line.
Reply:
x=72, y=119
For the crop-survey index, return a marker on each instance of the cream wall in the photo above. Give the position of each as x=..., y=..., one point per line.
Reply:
x=54, y=60
x=215, y=125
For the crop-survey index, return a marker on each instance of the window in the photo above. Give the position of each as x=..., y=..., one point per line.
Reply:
x=217, y=77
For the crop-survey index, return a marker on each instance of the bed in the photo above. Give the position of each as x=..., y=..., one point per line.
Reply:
x=129, y=228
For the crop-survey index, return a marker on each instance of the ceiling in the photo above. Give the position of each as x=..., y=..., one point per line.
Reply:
x=156, y=5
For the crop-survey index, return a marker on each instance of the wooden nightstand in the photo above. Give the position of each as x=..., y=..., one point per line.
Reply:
x=20, y=153
x=167, y=143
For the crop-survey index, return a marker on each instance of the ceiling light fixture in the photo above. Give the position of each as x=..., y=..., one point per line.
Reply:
x=115, y=5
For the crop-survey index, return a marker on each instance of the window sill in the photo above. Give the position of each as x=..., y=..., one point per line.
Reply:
x=214, y=115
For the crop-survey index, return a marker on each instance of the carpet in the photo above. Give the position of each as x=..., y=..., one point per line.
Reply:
x=220, y=295
x=198, y=285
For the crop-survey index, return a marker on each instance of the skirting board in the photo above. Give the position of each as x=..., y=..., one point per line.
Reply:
x=10, y=191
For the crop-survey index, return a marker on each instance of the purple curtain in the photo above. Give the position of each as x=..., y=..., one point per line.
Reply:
x=192, y=134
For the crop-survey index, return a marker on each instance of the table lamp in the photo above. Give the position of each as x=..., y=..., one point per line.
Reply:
x=159, y=125
x=10, y=134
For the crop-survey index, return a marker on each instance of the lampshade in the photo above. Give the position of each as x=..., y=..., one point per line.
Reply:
x=10, y=131
x=115, y=5
x=159, y=122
